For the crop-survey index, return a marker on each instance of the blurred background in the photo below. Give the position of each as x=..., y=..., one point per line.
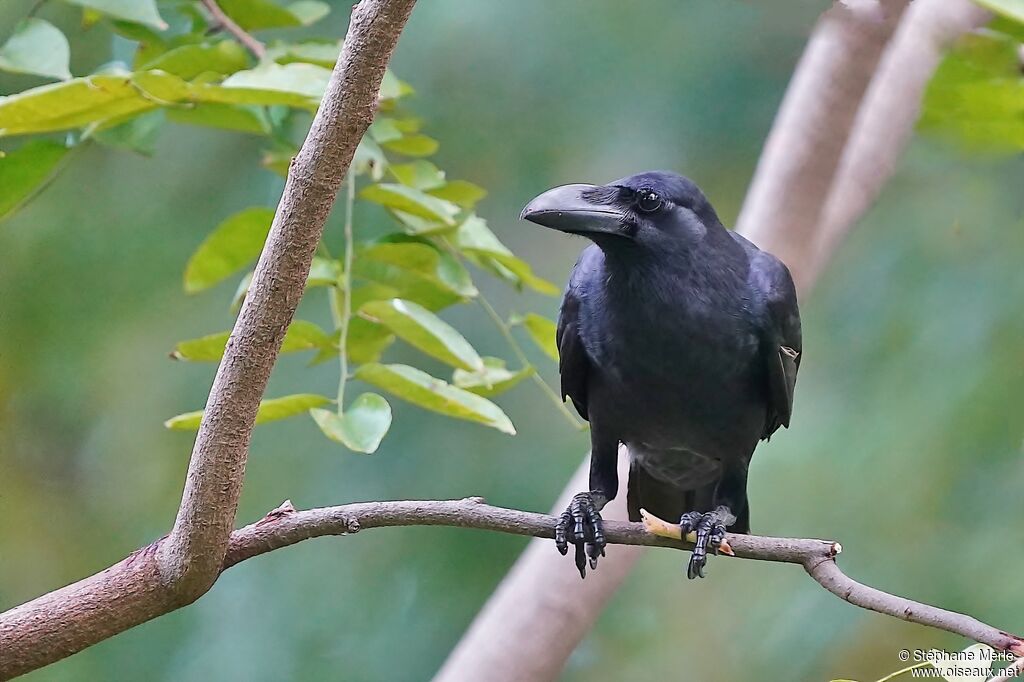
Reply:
x=906, y=442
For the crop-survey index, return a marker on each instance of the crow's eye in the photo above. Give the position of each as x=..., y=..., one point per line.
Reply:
x=647, y=200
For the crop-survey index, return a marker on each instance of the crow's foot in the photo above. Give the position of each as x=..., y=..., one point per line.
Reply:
x=581, y=525
x=710, y=530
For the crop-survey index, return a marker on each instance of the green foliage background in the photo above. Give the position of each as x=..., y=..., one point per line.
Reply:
x=906, y=443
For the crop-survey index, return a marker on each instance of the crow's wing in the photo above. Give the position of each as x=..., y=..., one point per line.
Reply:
x=782, y=344
x=573, y=363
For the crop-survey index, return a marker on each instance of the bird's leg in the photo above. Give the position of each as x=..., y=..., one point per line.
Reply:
x=728, y=499
x=710, y=529
x=581, y=525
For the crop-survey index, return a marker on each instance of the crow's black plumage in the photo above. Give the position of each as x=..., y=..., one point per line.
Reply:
x=679, y=339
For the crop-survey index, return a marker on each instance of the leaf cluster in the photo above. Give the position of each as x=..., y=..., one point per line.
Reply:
x=387, y=283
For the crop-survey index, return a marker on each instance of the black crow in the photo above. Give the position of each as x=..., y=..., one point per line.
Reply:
x=679, y=339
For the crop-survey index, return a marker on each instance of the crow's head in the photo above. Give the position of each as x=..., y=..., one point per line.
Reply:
x=658, y=209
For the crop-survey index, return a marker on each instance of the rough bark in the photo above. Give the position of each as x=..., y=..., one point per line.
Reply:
x=179, y=569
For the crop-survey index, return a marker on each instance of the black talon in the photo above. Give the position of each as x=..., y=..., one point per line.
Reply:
x=563, y=524
x=710, y=529
x=586, y=534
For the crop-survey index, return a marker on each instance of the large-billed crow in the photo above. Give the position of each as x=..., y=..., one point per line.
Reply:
x=677, y=338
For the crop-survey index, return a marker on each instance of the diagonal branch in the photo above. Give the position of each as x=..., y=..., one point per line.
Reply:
x=179, y=569
x=812, y=128
x=225, y=22
x=286, y=526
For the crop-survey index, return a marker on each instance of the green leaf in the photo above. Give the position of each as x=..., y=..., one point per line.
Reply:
x=366, y=340
x=81, y=101
x=269, y=410
x=459, y=192
x=231, y=246
x=493, y=379
x=25, y=171
x=419, y=388
x=474, y=239
x=309, y=12
x=138, y=134
x=424, y=330
x=242, y=118
x=369, y=158
x=240, y=292
x=254, y=15
x=413, y=145
x=323, y=272
x=36, y=47
x=1013, y=9
x=408, y=124
x=542, y=331
x=137, y=11
x=415, y=225
x=977, y=94
x=412, y=201
x=70, y=104
x=419, y=174
x=321, y=53
x=278, y=160
x=188, y=61
x=243, y=87
x=524, y=274
x=391, y=88
x=361, y=427
x=301, y=336
x=414, y=270
x=384, y=130
x=298, y=78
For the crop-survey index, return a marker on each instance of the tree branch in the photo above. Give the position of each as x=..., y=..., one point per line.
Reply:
x=286, y=526
x=178, y=570
x=892, y=105
x=798, y=164
x=257, y=48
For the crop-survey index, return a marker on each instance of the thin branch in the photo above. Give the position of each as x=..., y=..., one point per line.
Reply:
x=517, y=350
x=220, y=18
x=179, y=569
x=286, y=526
x=341, y=310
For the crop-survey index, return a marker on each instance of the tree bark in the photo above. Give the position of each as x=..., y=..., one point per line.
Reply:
x=180, y=568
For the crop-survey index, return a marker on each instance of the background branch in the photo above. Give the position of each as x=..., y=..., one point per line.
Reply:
x=181, y=568
x=286, y=526
x=820, y=128
x=257, y=48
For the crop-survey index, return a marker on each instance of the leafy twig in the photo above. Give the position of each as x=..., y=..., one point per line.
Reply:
x=258, y=49
x=506, y=331
x=344, y=314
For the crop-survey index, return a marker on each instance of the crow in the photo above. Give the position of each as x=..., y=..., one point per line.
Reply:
x=679, y=339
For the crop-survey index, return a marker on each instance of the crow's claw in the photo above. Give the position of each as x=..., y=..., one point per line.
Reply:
x=710, y=530
x=581, y=525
